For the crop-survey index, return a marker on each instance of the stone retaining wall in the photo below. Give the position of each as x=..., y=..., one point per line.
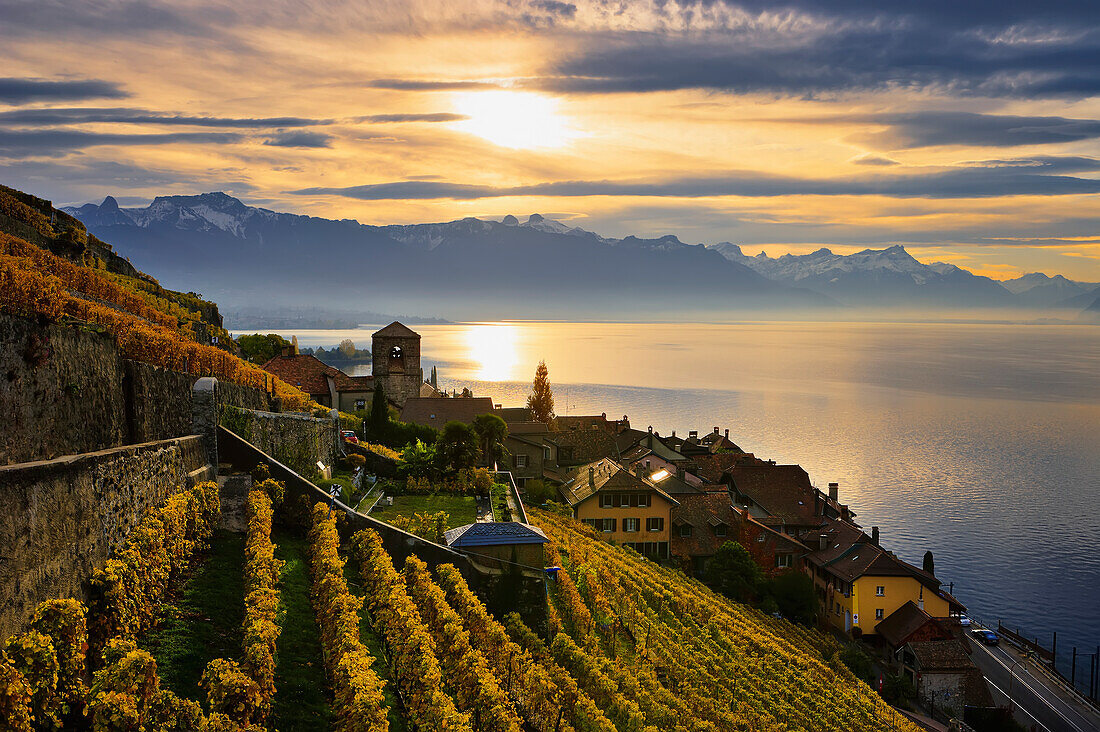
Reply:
x=64, y=390
x=61, y=518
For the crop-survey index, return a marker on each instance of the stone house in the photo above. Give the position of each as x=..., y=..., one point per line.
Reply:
x=531, y=453
x=773, y=550
x=944, y=675
x=700, y=524
x=326, y=385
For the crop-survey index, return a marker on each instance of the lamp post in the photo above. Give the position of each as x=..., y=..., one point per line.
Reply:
x=1011, y=676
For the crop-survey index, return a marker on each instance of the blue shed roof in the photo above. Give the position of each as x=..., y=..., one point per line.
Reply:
x=495, y=534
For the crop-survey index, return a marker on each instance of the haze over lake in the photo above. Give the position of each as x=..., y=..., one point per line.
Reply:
x=980, y=442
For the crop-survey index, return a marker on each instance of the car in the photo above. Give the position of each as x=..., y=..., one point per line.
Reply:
x=964, y=621
x=349, y=436
x=988, y=637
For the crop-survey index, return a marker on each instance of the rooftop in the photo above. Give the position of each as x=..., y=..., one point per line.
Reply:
x=436, y=411
x=494, y=533
x=309, y=374
x=396, y=330
x=941, y=655
x=606, y=475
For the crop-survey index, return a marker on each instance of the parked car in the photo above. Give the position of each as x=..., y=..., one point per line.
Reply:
x=988, y=637
x=349, y=436
x=964, y=621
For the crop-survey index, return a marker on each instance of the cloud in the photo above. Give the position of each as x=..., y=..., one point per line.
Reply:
x=430, y=85
x=937, y=128
x=431, y=117
x=24, y=144
x=869, y=159
x=1045, y=163
x=819, y=50
x=19, y=91
x=300, y=139
x=969, y=182
x=89, y=115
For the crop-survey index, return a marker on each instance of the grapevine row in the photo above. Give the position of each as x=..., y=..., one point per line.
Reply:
x=359, y=704
x=466, y=673
x=412, y=652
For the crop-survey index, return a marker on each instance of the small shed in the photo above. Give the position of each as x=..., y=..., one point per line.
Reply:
x=511, y=541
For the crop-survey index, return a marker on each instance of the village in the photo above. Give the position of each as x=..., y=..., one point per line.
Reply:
x=677, y=500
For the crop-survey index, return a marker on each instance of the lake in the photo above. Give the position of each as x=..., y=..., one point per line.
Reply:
x=980, y=442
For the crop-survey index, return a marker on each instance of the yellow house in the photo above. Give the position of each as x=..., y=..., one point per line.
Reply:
x=860, y=584
x=627, y=508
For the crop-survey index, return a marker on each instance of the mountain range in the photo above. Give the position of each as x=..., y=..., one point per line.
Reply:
x=244, y=255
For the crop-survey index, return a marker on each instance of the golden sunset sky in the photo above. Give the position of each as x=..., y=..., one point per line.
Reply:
x=967, y=132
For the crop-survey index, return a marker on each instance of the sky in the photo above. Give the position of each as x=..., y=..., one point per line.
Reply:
x=967, y=131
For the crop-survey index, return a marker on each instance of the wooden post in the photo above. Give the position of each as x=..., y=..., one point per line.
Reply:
x=1073, y=669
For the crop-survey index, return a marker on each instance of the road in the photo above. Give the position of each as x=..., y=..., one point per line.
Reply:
x=1038, y=701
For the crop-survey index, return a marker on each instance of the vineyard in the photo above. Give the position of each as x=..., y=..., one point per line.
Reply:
x=632, y=647
x=149, y=328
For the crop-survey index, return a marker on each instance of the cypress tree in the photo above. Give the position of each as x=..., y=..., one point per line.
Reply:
x=379, y=412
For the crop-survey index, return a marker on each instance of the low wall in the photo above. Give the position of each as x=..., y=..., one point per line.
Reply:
x=61, y=518
x=65, y=390
x=376, y=464
x=295, y=440
x=502, y=586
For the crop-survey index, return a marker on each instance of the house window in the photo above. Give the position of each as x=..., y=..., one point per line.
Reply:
x=360, y=404
x=632, y=525
x=685, y=531
x=590, y=522
x=521, y=461
x=605, y=500
x=608, y=525
x=654, y=524
x=643, y=500
x=720, y=530
x=545, y=453
x=760, y=538
x=879, y=613
x=782, y=560
x=880, y=591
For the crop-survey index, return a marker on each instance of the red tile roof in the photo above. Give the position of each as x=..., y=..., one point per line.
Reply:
x=309, y=375
x=702, y=511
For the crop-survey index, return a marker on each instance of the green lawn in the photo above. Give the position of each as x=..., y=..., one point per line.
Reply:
x=202, y=621
x=462, y=510
x=301, y=701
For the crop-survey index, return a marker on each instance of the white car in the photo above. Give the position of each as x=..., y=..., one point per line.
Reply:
x=964, y=621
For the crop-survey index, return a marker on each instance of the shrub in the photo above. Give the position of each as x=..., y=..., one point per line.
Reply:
x=15, y=697
x=33, y=655
x=65, y=623
x=261, y=572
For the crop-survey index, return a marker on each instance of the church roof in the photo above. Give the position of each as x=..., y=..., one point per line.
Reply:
x=396, y=330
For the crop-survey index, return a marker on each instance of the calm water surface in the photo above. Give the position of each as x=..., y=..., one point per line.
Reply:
x=979, y=442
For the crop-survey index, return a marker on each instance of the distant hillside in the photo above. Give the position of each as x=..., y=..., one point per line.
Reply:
x=470, y=267
x=1041, y=290
x=877, y=277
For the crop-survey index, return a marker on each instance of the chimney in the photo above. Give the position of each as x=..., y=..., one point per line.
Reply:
x=716, y=430
x=591, y=477
x=680, y=472
x=874, y=535
x=834, y=491
x=693, y=434
x=286, y=350
x=603, y=415
x=649, y=438
x=638, y=468
x=822, y=542
x=673, y=433
x=727, y=434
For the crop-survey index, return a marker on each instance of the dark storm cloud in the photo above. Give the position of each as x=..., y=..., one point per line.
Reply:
x=1009, y=49
x=24, y=144
x=87, y=115
x=967, y=182
x=300, y=139
x=430, y=85
x=430, y=117
x=934, y=128
x=20, y=91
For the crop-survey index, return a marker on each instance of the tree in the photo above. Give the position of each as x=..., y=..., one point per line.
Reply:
x=260, y=348
x=491, y=431
x=541, y=401
x=457, y=446
x=733, y=573
x=929, y=564
x=794, y=596
x=379, y=412
x=347, y=348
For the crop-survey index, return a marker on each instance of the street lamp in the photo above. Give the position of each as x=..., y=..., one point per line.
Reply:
x=1011, y=676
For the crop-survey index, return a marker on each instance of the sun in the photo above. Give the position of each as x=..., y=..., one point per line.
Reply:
x=518, y=120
